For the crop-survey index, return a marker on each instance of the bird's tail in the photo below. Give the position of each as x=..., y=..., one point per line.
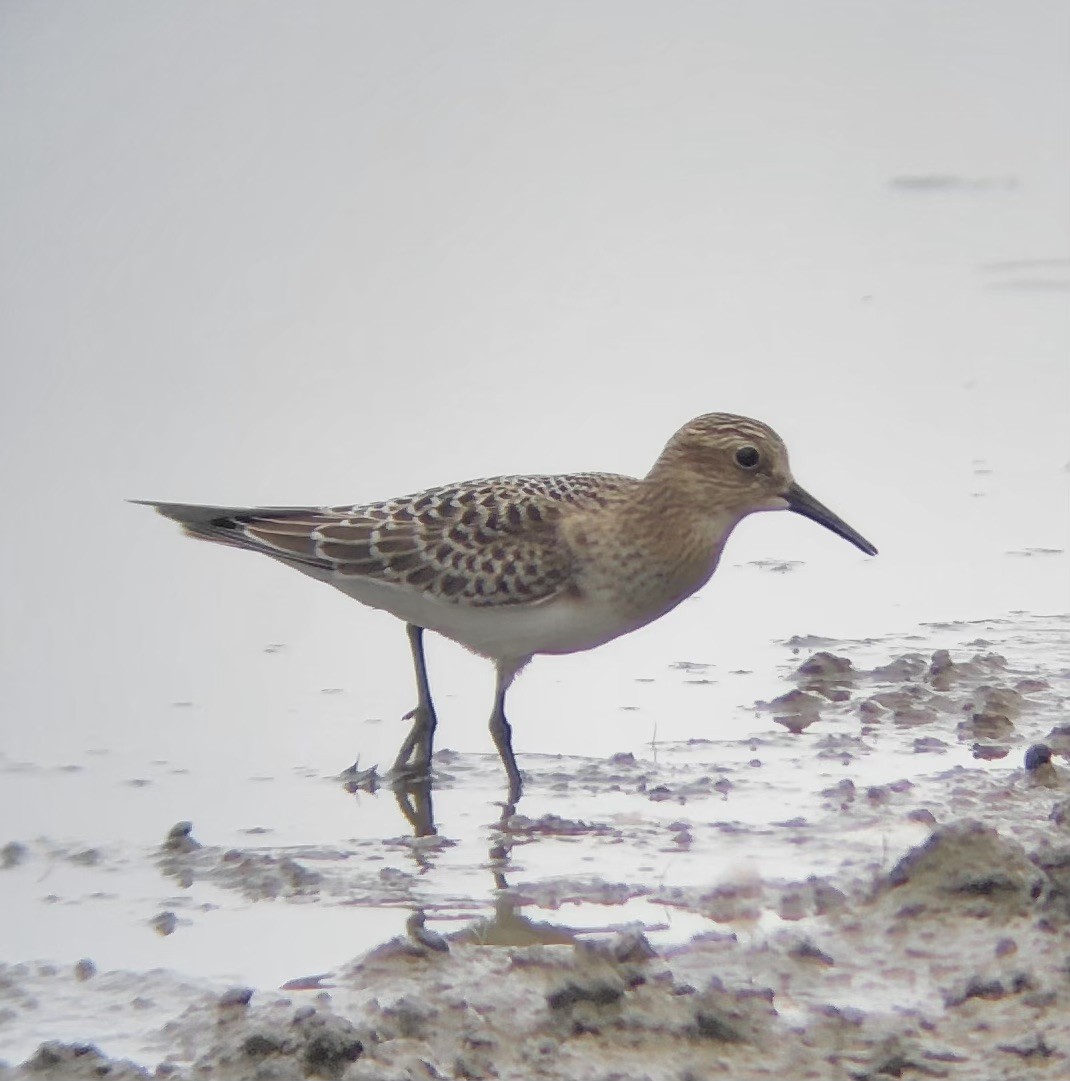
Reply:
x=284, y=533
x=223, y=525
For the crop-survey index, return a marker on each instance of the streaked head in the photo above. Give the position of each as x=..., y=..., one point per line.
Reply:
x=743, y=465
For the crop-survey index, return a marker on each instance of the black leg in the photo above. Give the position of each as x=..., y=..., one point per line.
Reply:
x=502, y=734
x=414, y=758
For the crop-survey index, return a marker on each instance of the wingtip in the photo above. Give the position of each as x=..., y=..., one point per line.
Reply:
x=160, y=508
x=190, y=515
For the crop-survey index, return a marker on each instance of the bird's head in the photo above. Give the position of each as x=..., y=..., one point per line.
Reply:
x=741, y=466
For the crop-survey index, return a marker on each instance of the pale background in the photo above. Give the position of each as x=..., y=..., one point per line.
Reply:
x=321, y=253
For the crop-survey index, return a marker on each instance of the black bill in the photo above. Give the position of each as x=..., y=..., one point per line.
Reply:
x=803, y=503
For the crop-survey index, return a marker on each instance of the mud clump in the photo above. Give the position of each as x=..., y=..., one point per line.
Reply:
x=796, y=710
x=180, y=839
x=967, y=864
x=619, y=1000
x=12, y=854
x=828, y=675
x=1000, y=701
x=57, y=1061
x=258, y=875
x=247, y=1043
x=985, y=726
x=990, y=989
x=1054, y=861
x=1060, y=814
x=944, y=672
x=164, y=923
x=906, y=668
x=597, y=992
x=1058, y=739
x=723, y=1016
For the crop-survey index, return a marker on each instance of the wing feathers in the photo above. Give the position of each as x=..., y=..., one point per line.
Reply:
x=493, y=542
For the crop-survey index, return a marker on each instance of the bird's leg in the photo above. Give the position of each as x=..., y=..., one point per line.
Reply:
x=414, y=758
x=500, y=731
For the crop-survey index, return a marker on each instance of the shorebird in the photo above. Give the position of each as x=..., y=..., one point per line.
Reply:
x=511, y=567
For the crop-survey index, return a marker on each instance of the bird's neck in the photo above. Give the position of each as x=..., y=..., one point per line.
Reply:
x=683, y=513
x=664, y=544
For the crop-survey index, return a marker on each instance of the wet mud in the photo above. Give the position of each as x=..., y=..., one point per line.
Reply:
x=874, y=882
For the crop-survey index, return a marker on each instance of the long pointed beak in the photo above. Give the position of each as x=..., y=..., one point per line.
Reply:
x=803, y=503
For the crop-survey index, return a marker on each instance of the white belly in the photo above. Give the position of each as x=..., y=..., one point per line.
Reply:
x=557, y=625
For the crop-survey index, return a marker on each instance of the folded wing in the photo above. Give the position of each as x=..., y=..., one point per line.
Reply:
x=479, y=544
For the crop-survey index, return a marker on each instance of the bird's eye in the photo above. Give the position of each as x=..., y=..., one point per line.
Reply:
x=748, y=457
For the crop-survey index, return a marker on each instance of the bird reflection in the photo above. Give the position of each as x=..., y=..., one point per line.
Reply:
x=506, y=926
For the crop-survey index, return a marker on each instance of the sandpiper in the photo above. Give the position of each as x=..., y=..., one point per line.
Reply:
x=514, y=566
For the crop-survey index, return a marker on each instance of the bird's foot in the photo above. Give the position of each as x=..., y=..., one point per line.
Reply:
x=409, y=775
x=356, y=779
x=413, y=763
x=411, y=767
